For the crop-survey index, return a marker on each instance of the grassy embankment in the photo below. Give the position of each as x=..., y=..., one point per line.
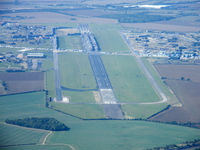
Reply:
x=112, y=134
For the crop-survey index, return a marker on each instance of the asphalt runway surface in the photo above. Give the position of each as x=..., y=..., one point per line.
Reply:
x=99, y=72
x=57, y=72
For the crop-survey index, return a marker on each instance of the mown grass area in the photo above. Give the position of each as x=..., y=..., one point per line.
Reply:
x=79, y=97
x=172, y=99
x=108, y=37
x=13, y=135
x=50, y=83
x=123, y=135
x=75, y=71
x=84, y=135
x=128, y=81
x=84, y=111
x=136, y=111
x=47, y=66
x=69, y=42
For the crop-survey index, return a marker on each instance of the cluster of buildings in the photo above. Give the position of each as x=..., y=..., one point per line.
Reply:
x=21, y=61
x=172, y=45
x=18, y=34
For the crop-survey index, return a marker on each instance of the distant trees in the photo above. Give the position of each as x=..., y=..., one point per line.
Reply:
x=40, y=123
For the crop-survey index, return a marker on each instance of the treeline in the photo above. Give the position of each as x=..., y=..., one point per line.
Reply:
x=137, y=18
x=40, y=123
x=185, y=145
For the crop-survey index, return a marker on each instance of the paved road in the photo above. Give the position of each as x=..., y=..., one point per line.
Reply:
x=56, y=71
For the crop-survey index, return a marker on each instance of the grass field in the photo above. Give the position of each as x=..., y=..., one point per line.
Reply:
x=13, y=135
x=141, y=111
x=172, y=99
x=84, y=135
x=39, y=147
x=119, y=135
x=128, y=81
x=108, y=37
x=75, y=71
x=80, y=97
x=85, y=111
x=69, y=42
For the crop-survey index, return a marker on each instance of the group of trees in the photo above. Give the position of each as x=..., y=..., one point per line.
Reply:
x=40, y=123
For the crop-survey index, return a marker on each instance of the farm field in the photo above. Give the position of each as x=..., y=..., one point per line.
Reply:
x=105, y=133
x=108, y=37
x=69, y=42
x=25, y=81
x=14, y=135
x=187, y=91
x=128, y=81
x=118, y=135
x=40, y=147
x=76, y=72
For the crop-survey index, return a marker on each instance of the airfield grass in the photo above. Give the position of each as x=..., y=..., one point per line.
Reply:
x=75, y=71
x=84, y=135
x=139, y=111
x=47, y=66
x=128, y=81
x=69, y=42
x=50, y=83
x=13, y=135
x=79, y=97
x=172, y=99
x=84, y=111
x=108, y=37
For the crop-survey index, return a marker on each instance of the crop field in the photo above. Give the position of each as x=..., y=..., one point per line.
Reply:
x=79, y=97
x=75, y=72
x=25, y=81
x=69, y=42
x=108, y=37
x=40, y=147
x=13, y=135
x=85, y=111
x=22, y=105
x=118, y=135
x=128, y=81
x=186, y=90
x=108, y=134
x=175, y=72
